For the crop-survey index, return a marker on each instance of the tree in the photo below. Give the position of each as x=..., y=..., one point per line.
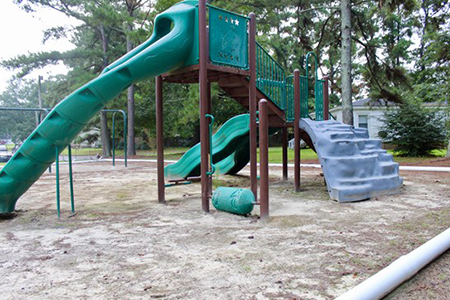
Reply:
x=346, y=62
x=414, y=129
x=98, y=40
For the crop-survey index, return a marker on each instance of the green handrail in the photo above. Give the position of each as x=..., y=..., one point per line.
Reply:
x=213, y=167
x=318, y=89
x=270, y=77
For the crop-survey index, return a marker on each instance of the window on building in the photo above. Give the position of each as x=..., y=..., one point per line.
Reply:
x=363, y=121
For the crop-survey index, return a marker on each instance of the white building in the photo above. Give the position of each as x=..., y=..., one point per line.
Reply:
x=365, y=115
x=370, y=115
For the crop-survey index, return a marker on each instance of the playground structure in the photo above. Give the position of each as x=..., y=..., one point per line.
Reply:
x=180, y=50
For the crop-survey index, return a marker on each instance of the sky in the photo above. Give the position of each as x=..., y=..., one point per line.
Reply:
x=22, y=32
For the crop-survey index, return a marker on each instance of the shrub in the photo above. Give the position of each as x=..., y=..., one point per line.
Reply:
x=414, y=129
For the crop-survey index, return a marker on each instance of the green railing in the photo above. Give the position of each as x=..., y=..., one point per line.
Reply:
x=270, y=77
x=318, y=91
x=289, y=86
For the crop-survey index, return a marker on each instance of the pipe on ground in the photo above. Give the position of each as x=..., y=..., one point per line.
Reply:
x=380, y=284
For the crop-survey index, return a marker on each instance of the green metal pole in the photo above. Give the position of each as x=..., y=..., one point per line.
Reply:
x=58, y=207
x=124, y=133
x=72, y=201
x=114, y=139
x=125, y=136
x=213, y=167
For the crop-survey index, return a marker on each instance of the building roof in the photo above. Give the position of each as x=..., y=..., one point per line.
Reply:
x=381, y=103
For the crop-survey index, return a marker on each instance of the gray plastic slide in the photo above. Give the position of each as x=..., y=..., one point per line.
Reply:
x=355, y=166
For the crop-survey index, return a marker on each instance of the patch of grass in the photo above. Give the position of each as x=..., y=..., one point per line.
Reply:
x=437, y=153
x=276, y=155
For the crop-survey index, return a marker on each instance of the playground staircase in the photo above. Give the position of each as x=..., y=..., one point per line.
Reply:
x=355, y=166
x=237, y=87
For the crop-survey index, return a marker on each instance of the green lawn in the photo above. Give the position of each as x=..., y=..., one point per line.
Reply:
x=275, y=154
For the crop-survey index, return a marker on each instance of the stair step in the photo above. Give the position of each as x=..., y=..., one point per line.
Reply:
x=373, y=143
x=385, y=157
x=381, y=185
x=372, y=151
x=356, y=166
x=341, y=135
x=361, y=133
x=369, y=180
x=389, y=168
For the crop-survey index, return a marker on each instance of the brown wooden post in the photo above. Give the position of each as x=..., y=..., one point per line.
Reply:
x=326, y=99
x=253, y=103
x=297, y=130
x=285, y=153
x=264, y=158
x=160, y=139
x=203, y=82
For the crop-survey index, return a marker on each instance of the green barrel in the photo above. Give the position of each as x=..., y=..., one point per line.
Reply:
x=233, y=200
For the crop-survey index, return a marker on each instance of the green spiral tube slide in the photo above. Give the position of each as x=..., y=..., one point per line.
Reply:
x=172, y=46
x=230, y=150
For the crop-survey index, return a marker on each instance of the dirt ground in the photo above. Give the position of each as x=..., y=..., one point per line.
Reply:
x=122, y=244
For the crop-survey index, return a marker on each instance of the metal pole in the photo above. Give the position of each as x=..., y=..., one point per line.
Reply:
x=285, y=153
x=297, y=130
x=124, y=114
x=72, y=201
x=203, y=82
x=326, y=99
x=114, y=139
x=264, y=158
x=253, y=103
x=58, y=206
x=125, y=141
x=160, y=139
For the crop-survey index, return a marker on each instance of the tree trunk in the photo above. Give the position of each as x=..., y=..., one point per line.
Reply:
x=131, y=147
x=346, y=56
x=105, y=135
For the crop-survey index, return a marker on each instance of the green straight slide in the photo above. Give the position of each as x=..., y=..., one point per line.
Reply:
x=172, y=45
x=230, y=150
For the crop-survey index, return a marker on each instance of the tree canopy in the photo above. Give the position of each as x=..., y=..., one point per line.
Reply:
x=400, y=50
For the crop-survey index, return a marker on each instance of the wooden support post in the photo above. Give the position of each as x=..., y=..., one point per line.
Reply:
x=326, y=99
x=285, y=153
x=160, y=139
x=203, y=82
x=264, y=158
x=253, y=103
x=297, y=130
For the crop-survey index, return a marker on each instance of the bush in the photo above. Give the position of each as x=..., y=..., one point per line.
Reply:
x=414, y=129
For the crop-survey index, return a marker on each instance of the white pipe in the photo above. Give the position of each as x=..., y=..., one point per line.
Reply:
x=380, y=284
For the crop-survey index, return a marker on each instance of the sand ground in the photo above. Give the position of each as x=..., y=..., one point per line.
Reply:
x=122, y=244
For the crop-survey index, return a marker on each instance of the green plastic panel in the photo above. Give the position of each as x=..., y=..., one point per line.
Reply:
x=290, y=105
x=304, y=113
x=228, y=38
x=318, y=92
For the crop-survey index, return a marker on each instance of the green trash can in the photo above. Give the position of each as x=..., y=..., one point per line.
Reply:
x=234, y=200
